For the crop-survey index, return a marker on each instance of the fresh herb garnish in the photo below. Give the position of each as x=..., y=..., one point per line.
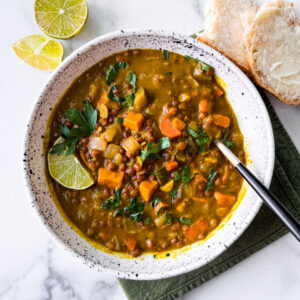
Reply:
x=120, y=120
x=131, y=78
x=185, y=220
x=212, y=175
x=129, y=100
x=201, y=137
x=226, y=141
x=177, y=176
x=161, y=209
x=155, y=201
x=174, y=194
x=205, y=67
x=185, y=176
x=112, y=96
x=85, y=121
x=169, y=73
x=113, y=69
x=118, y=212
x=168, y=219
x=113, y=202
x=147, y=221
x=135, y=210
x=166, y=54
x=152, y=151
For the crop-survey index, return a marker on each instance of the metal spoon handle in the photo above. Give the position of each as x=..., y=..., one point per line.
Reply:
x=278, y=208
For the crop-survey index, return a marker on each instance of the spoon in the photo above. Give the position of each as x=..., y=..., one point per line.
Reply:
x=278, y=208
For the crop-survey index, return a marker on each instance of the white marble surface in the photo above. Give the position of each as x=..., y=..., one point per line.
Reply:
x=31, y=265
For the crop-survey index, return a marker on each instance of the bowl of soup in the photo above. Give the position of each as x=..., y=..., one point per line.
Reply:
x=120, y=158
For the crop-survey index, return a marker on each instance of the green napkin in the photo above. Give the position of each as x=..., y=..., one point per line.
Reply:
x=264, y=229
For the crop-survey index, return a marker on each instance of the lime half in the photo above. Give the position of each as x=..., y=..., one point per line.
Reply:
x=61, y=19
x=39, y=52
x=68, y=170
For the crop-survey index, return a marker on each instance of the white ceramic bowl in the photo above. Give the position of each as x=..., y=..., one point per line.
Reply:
x=253, y=120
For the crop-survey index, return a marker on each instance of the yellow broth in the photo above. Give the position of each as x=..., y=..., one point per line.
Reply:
x=175, y=196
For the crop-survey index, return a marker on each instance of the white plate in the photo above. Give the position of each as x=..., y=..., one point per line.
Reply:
x=253, y=120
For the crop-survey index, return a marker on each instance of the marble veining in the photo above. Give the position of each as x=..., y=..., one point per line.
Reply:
x=32, y=267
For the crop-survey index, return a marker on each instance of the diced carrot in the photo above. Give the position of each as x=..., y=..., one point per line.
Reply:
x=200, y=178
x=134, y=121
x=199, y=227
x=170, y=165
x=222, y=121
x=224, y=199
x=180, y=207
x=168, y=129
x=159, y=206
x=218, y=92
x=147, y=189
x=178, y=124
x=83, y=157
x=103, y=99
x=130, y=242
x=203, y=106
x=113, y=179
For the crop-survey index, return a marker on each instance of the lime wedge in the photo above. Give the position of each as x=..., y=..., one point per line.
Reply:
x=39, y=52
x=61, y=19
x=68, y=170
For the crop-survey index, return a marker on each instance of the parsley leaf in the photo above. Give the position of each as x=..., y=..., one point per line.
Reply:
x=65, y=131
x=147, y=221
x=185, y=220
x=113, y=202
x=177, y=176
x=152, y=151
x=174, y=194
x=201, y=137
x=86, y=123
x=129, y=100
x=131, y=78
x=166, y=54
x=168, y=219
x=120, y=120
x=169, y=73
x=155, y=201
x=212, y=175
x=186, y=177
x=226, y=141
x=135, y=209
x=60, y=148
x=113, y=69
x=205, y=67
x=112, y=96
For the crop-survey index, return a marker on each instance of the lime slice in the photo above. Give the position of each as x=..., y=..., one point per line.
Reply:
x=61, y=19
x=68, y=170
x=39, y=52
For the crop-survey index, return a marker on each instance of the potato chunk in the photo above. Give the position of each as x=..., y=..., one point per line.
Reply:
x=130, y=144
x=140, y=100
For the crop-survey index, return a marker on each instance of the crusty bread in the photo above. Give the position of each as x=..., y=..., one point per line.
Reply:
x=273, y=50
x=223, y=28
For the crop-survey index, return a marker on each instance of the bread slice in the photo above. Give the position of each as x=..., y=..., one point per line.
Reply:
x=223, y=28
x=273, y=50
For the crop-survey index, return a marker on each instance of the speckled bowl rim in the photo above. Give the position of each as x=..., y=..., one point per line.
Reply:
x=266, y=180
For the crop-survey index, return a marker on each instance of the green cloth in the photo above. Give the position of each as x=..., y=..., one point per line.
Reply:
x=264, y=229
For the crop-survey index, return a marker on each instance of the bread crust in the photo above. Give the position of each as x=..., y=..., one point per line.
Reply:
x=255, y=28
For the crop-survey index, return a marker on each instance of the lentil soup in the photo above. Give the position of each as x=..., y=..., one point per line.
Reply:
x=145, y=133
